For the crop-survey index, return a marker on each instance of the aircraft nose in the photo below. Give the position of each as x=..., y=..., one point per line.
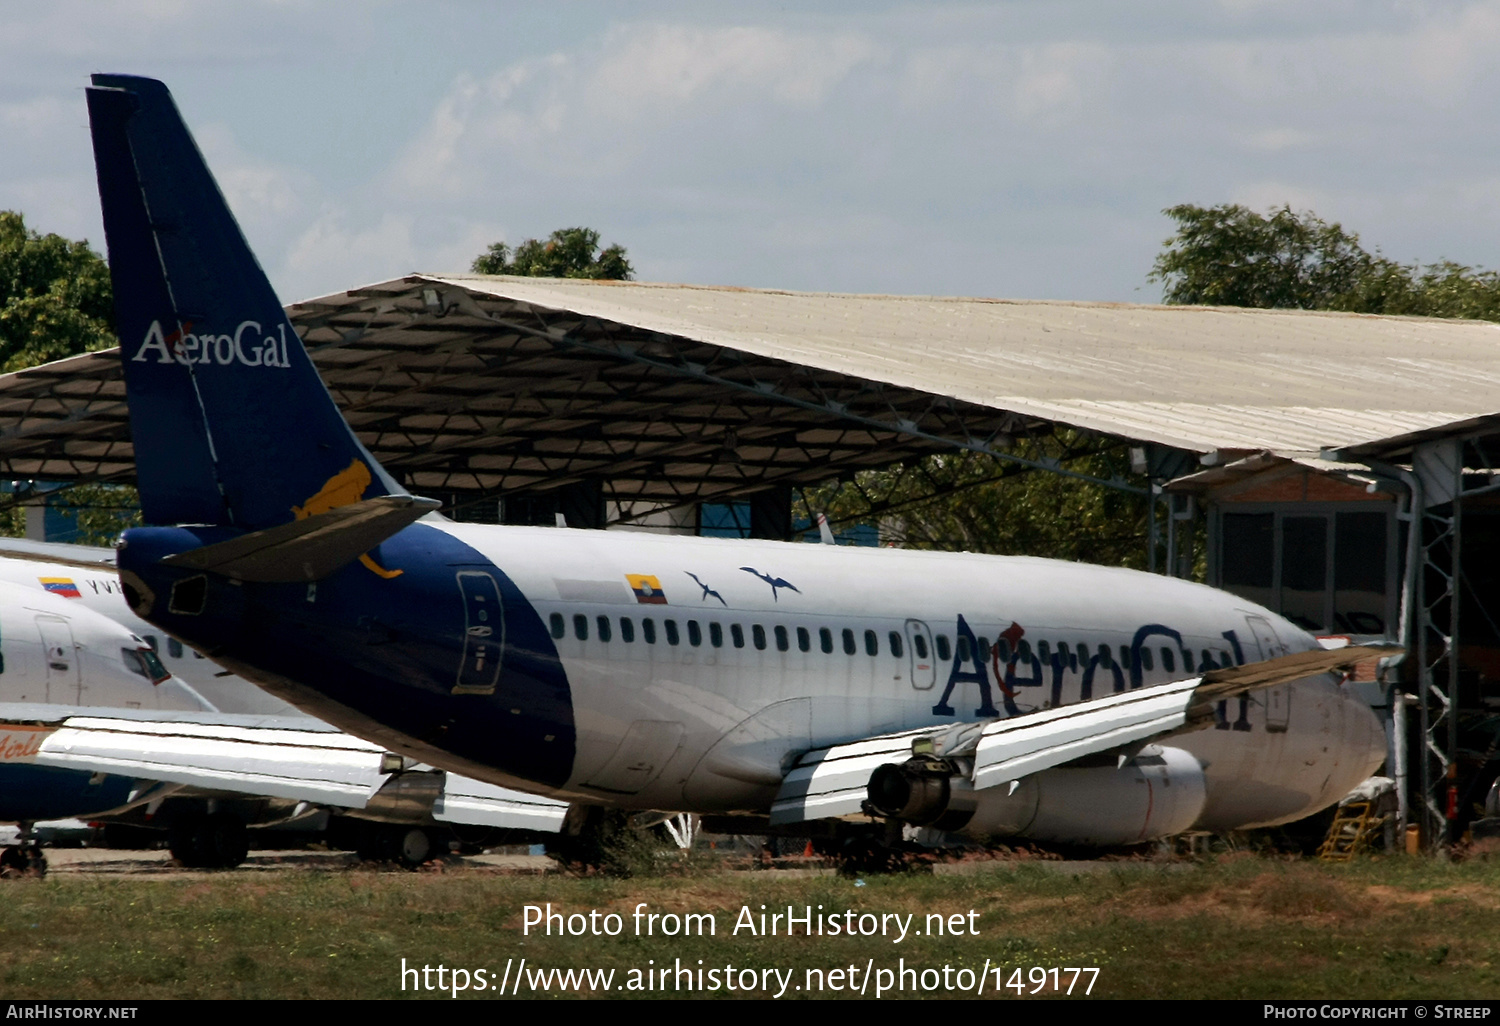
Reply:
x=1364, y=731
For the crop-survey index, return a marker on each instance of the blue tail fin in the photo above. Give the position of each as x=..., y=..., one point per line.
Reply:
x=231, y=423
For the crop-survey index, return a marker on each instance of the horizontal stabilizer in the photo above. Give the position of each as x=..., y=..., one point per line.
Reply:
x=833, y=781
x=312, y=763
x=311, y=548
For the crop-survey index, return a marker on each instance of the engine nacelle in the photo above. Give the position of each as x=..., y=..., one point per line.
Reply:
x=1158, y=793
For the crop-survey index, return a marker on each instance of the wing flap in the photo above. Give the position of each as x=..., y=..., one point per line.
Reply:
x=322, y=766
x=830, y=782
x=465, y=800
x=1011, y=749
x=303, y=765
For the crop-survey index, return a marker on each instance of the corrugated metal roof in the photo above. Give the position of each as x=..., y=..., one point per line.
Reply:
x=1200, y=378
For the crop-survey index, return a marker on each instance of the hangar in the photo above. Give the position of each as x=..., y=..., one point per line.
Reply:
x=1311, y=442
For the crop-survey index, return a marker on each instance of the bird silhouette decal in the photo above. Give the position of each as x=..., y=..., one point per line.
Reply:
x=774, y=582
x=707, y=591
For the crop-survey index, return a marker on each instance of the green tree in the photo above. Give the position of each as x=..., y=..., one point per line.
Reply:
x=978, y=503
x=567, y=253
x=55, y=297
x=1229, y=255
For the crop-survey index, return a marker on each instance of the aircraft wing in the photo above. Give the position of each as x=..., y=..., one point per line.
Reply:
x=833, y=781
x=280, y=757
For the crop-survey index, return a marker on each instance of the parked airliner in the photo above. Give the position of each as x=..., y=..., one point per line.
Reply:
x=58, y=658
x=791, y=683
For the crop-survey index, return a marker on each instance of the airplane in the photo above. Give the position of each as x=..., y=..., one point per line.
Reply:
x=864, y=692
x=239, y=758
x=58, y=659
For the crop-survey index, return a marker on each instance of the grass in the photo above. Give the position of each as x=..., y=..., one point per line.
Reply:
x=1239, y=927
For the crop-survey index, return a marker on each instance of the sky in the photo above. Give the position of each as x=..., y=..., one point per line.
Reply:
x=1010, y=149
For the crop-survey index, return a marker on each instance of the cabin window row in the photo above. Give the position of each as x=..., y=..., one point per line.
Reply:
x=852, y=642
x=602, y=628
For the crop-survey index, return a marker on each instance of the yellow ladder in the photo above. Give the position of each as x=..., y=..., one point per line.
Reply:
x=1353, y=827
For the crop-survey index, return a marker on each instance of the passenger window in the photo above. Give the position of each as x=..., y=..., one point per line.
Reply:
x=919, y=642
x=1105, y=657
x=1062, y=650
x=695, y=634
x=963, y=648
x=804, y=640
x=825, y=639
x=848, y=641
x=1002, y=645
x=1225, y=661
x=783, y=640
x=627, y=630
x=648, y=630
x=580, y=627
x=1125, y=656
x=603, y=628
x=1168, y=659
x=1043, y=652
x=758, y=635
x=1023, y=650
x=670, y=626
x=151, y=640
x=944, y=653
x=737, y=635
x=174, y=647
x=715, y=635
x=984, y=650
x=1146, y=659
x=559, y=628
x=872, y=644
x=895, y=640
x=1207, y=663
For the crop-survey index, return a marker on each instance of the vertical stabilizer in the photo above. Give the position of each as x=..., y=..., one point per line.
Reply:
x=232, y=424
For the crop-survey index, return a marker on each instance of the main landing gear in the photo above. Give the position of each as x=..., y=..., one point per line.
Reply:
x=23, y=859
x=217, y=840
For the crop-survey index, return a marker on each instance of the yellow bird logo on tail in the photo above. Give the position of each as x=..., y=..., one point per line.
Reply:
x=341, y=489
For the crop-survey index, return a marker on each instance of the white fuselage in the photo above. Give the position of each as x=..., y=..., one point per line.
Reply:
x=704, y=708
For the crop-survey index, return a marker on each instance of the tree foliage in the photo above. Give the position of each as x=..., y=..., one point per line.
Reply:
x=1229, y=255
x=976, y=503
x=567, y=253
x=55, y=298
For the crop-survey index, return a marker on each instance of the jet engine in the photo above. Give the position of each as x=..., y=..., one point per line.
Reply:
x=1158, y=792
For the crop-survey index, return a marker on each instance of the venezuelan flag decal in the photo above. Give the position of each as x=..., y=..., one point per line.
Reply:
x=63, y=586
x=647, y=589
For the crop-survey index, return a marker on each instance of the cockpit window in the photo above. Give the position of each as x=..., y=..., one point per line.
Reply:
x=145, y=662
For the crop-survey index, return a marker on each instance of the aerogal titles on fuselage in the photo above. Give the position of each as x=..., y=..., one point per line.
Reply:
x=184, y=347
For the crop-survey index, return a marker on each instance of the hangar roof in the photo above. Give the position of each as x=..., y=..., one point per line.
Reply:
x=481, y=385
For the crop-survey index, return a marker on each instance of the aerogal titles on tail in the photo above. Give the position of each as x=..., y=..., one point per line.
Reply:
x=792, y=684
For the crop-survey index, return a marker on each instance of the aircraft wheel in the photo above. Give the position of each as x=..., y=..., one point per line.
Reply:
x=409, y=848
x=184, y=842
x=218, y=841
x=13, y=861
x=224, y=841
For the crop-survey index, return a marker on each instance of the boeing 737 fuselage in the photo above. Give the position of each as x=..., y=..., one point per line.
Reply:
x=657, y=673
